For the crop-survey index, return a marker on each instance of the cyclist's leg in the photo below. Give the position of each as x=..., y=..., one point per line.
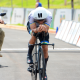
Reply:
x=30, y=49
x=45, y=50
x=45, y=47
x=30, y=46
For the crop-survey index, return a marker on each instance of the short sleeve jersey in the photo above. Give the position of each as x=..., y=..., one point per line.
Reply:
x=48, y=18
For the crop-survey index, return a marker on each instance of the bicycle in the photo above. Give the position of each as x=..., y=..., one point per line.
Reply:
x=38, y=65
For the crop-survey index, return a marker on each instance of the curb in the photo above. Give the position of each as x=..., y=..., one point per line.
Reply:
x=21, y=28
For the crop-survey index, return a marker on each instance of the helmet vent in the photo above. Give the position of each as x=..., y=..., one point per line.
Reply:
x=39, y=15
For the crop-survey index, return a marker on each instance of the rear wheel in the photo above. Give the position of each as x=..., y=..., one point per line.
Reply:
x=41, y=65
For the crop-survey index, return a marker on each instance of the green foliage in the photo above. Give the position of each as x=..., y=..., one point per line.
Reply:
x=31, y=3
x=18, y=25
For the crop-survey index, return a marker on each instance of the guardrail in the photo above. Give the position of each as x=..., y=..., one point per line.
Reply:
x=69, y=31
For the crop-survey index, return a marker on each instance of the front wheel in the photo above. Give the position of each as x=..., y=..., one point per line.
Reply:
x=34, y=72
x=41, y=64
x=34, y=68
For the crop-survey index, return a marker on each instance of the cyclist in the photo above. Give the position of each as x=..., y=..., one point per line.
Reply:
x=38, y=20
x=1, y=36
x=38, y=4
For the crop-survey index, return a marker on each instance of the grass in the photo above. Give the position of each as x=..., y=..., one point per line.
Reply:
x=52, y=28
x=31, y=3
x=18, y=25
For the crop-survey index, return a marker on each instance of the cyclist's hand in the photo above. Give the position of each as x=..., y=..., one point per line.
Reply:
x=43, y=28
x=39, y=29
x=34, y=30
x=1, y=21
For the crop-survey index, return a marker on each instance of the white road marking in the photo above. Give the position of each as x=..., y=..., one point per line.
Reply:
x=50, y=49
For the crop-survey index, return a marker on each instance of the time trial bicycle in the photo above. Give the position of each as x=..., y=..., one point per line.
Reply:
x=38, y=65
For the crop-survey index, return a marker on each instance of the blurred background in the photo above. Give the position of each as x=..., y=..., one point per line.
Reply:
x=45, y=3
x=17, y=10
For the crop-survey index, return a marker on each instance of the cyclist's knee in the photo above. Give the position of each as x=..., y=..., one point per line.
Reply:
x=45, y=47
x=32, y=40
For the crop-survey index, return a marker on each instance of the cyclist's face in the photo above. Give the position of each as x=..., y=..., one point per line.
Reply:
x=40, y=21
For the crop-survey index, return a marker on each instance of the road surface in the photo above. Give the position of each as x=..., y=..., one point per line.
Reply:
x=63, y=64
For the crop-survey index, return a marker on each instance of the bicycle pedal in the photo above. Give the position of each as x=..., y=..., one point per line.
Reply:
x=29, y=69
x=31, y=66
x=36, y=71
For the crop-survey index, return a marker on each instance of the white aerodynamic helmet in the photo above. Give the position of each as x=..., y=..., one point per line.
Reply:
x=40, y=13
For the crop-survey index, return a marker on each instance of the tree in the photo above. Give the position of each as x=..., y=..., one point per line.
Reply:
x=72, y=3
x=11, y=3
x=48, y=3
x=72, y=6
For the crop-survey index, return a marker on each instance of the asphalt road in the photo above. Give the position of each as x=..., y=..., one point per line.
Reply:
x=20, y=39
x=62, y=65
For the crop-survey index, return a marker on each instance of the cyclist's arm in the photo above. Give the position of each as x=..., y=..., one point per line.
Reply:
x=43, y=28
x=33, y=28
x=48, y=21
x=47, y=27
x=32, y=23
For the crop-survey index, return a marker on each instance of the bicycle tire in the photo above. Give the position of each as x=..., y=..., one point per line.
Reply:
x=34, y=73
x=34, y=70
x=41, y=64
